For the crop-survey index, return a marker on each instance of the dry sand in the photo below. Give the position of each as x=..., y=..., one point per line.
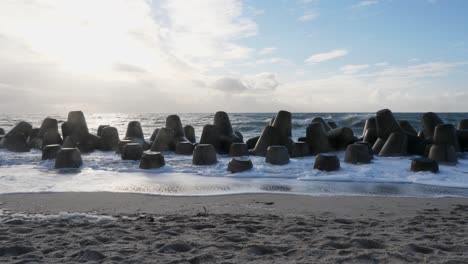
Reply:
x=255, y=228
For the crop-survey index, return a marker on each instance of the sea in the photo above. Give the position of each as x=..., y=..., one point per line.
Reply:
x=105, y=171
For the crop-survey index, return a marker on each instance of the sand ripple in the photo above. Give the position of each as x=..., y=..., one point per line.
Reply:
x=431, y=236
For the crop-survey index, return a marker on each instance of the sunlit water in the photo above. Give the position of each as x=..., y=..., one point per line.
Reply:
x=105, y=171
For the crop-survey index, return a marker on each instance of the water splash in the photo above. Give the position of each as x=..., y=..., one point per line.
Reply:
x=26, y=172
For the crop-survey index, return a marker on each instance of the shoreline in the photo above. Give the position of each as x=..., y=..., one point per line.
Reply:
x=250, y=203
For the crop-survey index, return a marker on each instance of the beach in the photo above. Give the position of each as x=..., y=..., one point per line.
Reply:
x=233, y=131
x=329, y=197
x=107, y=227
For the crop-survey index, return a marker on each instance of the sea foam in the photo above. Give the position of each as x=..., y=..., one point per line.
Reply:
x=105, y=171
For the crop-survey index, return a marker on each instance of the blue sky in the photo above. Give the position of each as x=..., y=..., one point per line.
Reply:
x=233, y=55
x=396, y=32
x=386, y=29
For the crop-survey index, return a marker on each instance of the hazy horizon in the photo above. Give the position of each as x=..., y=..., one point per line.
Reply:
x=250, y=56
x=213, y=112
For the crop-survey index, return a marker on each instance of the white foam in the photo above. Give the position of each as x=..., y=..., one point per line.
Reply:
x=105, y=171
x=6, y=215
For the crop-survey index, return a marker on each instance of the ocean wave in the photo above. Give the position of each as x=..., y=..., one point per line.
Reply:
x=103, y=171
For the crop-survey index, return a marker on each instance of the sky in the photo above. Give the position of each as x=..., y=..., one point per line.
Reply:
x=171, y=56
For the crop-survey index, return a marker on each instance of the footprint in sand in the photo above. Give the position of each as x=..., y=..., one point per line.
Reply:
x=419, y=249
x=366, y=243
x=343, y=221
x=203, y=226
x=21, y=230
x=203, y=258
x=259, y=250
x=175, y=247
x=335, y=245
x=15, y=250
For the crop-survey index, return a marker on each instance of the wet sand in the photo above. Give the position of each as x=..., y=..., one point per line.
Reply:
x=255, y=228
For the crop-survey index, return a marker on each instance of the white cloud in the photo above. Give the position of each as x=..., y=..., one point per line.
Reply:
x=267, y=50
x=180, y=56
x=381, y=64
x=309, y=15
x=272, y=60
x=265, y=81
x=366, y=3
x=229, y=84
x=353, y=68
x=204, y=32
x=254, y=12
x=402, y=88
x=320, y=57
x=128, y=68
x=423, y=70
x=101, y=49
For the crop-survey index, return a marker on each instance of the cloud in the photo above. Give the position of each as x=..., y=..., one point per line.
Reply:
x=272, y=61
x=381, y=64
x=267, y=50
x=353, y=68
x=186, y=56
x=366, y=3
x=128, y=68
x=402, y=88
x=254, y=12
x=60, y=55
x=253, y=83
x=309, y=15
x=423, y=70
x=229, y=84
x=321, y=57
x=265, y=81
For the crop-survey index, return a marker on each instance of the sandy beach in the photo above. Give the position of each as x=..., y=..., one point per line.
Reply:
x=244, y=228
x=233, y=131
